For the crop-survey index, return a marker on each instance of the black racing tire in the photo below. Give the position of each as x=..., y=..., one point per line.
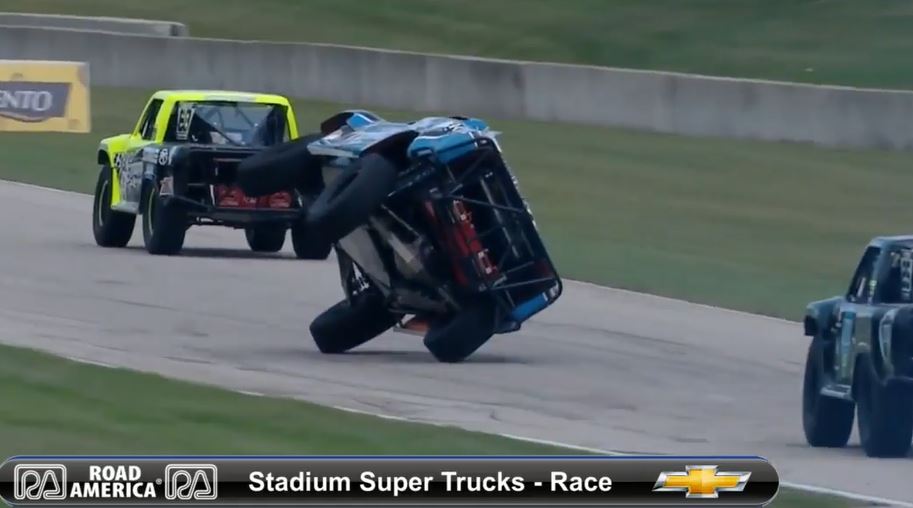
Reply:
x=884, y=414
x=281, y=168
x=454, y=339
x=110, y=228
x=348, y=325
x=308, y=244
x=352, y=197
x=265, y=238
x=164, y=224
x=827, y=421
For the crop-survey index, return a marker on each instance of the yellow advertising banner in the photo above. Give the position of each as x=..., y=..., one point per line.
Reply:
x=44, y=96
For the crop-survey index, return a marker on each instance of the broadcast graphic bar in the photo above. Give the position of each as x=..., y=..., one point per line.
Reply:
x=389, y=481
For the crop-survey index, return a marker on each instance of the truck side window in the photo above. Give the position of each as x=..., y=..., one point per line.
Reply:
x=898, y=283
x=147, y=126
x=861, y=287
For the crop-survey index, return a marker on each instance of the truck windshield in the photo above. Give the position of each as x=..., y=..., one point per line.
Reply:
x=228, y=123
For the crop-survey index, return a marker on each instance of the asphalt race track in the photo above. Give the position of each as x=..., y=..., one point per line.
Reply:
x=602, y=368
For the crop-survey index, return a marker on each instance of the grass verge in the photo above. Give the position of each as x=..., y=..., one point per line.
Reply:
x=761, y=227
x=54, y=406
x=825, y=41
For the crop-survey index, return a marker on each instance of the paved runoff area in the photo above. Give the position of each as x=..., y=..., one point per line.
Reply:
x=601, y=368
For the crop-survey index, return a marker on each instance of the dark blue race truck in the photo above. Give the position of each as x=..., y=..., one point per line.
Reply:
x=429, y=227
x=861, y=356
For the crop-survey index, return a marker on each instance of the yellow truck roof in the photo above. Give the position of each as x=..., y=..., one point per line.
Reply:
x=214, y=95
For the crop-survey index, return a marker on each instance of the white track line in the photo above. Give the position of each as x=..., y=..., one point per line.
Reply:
x=796, y=486
x=90, y=362
x=41, y=187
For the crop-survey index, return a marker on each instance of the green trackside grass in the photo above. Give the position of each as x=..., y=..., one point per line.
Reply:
x=850, y=42
x=53, y=406
x=762, y=227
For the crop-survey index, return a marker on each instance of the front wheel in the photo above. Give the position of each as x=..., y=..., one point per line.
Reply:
x=454, y=339
x=164, y=225
x=110, y=228
x=352, y=197
x=827, y=421
x=885, y=415
x=308, y=244
x=282, y=167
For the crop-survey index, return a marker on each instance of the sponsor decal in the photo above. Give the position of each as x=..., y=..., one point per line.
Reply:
x=33, y=101
x=44, y=96
x=701, y=482
x=186, y=110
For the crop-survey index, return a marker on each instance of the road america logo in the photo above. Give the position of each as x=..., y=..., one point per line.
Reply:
x=39, y=482
x=191, y=482
x=110, y=481
x=48, y=482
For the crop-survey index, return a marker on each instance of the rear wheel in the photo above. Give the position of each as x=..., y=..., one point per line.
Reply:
x=349, y=324
x=454, y=339
x=164, y=224
x=352, y=197
x=885, y=415
x=265, y=238
x=110, y=228
x=827, y=421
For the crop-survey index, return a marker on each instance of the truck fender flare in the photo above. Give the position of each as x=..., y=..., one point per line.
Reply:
x=103, y=158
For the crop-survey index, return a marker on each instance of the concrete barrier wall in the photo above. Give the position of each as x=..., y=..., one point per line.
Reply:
x=120, y=25
x=651, y=101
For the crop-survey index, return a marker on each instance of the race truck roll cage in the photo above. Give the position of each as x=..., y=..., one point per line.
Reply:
x=468, y=191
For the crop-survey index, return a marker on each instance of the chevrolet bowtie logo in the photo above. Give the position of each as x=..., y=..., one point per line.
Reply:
x=701, y=482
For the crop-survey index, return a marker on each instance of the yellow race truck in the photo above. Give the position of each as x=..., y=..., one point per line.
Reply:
x=178, y=167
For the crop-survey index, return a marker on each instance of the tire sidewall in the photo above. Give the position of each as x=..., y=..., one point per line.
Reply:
x=265, y=237
x=811, y=387
x=453, y=339
x=351, y=323
x=864, y=407
x=307, y=244
x=150, y=207
x=880, y=415
x=101, y=206
x=826, y=421
x=110, y=228
x=163, y=226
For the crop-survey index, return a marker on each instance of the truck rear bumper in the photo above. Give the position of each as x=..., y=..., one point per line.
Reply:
x=235, y=217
